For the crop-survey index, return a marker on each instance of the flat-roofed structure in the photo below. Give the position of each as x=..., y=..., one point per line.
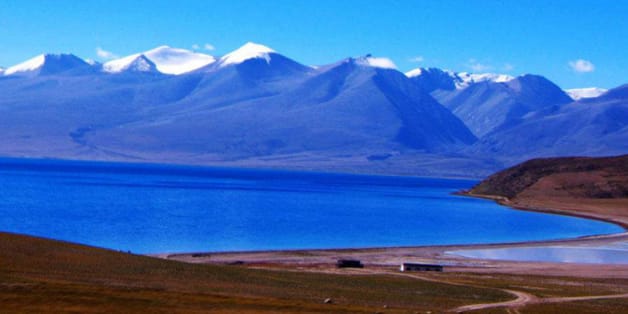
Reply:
x=420, y=267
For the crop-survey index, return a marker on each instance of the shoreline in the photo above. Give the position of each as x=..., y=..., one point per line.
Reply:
x=504, y=201
x=388, y=257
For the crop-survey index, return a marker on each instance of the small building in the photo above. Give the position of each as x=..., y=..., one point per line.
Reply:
x=349, y=263
x=420, y=267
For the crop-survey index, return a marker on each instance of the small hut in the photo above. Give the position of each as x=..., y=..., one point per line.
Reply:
x=349, y=263
x=420, y=267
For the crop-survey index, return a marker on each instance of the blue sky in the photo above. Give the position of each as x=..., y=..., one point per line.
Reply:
x=573, y=43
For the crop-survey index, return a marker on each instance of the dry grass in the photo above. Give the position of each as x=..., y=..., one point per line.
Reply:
x=38, y=275
x=545, y=286
x=590, y=306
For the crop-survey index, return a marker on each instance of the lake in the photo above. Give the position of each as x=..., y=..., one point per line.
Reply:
x=157, y=208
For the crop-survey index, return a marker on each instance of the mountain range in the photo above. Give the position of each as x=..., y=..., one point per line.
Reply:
x=255, y=107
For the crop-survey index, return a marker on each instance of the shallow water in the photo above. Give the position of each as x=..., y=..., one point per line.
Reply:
x=613, y=254
x=148, y=208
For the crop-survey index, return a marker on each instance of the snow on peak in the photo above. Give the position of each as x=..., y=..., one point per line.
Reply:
x=141, y=64
x=247, y=51
x=133, y=62
x=414, y=73
x=588, y=92
x=167, y=60
x=464, y=79
x=28, y=65
x=177, y=61
x=383, y=63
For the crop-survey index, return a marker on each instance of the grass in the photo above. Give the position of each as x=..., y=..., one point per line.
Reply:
x=46, y=276
x=38, y=275
x=591, y=306
x=546, y=286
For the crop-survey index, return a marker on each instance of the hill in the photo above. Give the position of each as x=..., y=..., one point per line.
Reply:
x=581, y=186
x=590, y=178
x=45, y=276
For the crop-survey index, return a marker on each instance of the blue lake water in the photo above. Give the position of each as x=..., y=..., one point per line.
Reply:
x=149, y=208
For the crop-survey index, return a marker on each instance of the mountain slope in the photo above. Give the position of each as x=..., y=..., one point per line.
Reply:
x=431, y=79
x=257, y=107
x=603, y=177
x=588, y=92
x=434, y=79
x=592, y=127
x=348, y=108
x=49, y=64
x=163, y=59
x=591, y=187
x=487, y=106
x=133, y=63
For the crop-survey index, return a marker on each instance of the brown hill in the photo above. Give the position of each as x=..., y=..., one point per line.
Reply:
x=581, y=177
x=582, y=186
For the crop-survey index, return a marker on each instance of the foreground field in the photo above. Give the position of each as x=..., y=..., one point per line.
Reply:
x=45, y=276
x=40, y=275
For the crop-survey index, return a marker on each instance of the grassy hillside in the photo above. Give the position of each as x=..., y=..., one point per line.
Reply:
x=38, y=275
x=576, y=177
x=588, y=187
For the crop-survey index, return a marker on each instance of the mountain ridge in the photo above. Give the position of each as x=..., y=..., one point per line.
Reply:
x=263, y=108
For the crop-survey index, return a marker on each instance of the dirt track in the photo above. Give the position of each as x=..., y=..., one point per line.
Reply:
x=524, y=299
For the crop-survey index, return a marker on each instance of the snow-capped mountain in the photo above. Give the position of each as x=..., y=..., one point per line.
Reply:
x=488, y=105
x=254, y=61
x=46, y=64
x=163, y=59
x=466, y=79
x=247, y=52
x=372, y=113
x=442, y=79
x=431, y=79
x=251, y=63
x=28, y=65
x=587, y=92
x=257, y=107
x=2, y=70
x=132, y=63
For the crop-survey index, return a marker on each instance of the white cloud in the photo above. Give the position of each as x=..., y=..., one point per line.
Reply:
x=582, y=66
x=104, y=54
x=417, y=59
x=196, y=47
x=476, y=66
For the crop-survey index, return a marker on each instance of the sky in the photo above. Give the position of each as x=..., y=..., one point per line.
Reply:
x=573, y=43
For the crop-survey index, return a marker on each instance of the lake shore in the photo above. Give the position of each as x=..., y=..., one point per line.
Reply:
x=609, y=210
